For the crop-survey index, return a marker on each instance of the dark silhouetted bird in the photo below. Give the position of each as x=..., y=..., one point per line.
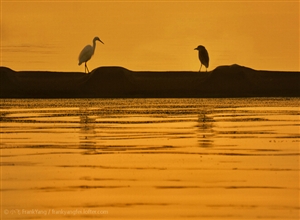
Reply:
x=203, y=56
x=87, y=53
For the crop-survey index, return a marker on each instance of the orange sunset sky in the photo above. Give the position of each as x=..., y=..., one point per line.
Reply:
x=149, y=35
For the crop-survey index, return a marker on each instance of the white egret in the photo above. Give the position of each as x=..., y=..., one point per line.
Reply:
x=203, y=56
x=87, y=52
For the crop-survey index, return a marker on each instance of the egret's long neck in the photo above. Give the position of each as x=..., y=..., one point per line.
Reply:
x=94, y=45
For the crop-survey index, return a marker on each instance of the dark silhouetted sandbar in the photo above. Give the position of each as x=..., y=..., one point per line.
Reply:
x=118, y=82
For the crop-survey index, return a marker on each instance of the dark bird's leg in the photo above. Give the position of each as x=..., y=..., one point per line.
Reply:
x=200, y=68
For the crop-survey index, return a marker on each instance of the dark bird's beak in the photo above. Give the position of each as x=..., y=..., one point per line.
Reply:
x=195, y=49
x=101, y=41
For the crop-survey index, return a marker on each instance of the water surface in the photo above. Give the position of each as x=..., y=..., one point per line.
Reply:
x=150, y=158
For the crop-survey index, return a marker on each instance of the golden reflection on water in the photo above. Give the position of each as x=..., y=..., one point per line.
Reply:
x=150, y=159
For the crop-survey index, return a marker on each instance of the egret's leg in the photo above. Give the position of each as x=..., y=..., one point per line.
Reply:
x=86, y=68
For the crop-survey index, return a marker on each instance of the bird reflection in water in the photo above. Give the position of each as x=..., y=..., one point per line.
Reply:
x=87, y=131
x=206, y=129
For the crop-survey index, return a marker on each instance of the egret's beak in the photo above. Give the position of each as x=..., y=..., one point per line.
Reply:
x=101, y=41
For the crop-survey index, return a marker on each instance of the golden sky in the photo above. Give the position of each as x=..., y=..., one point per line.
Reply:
x=149, y=35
